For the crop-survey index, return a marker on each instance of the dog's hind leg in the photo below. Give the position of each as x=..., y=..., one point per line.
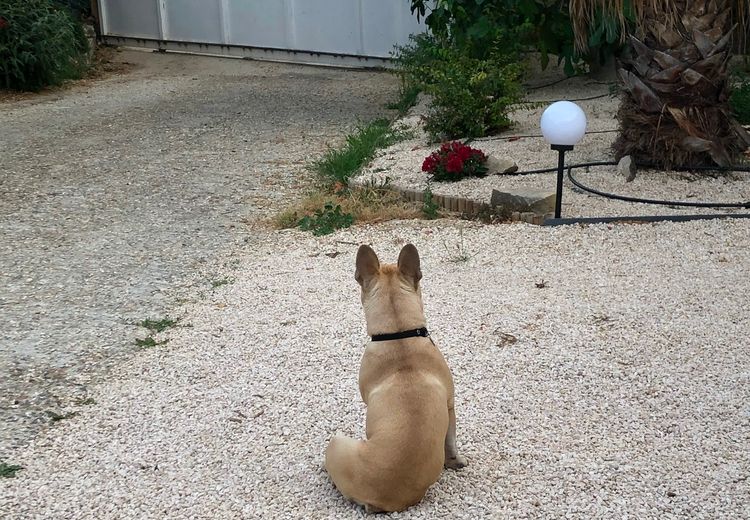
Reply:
x=452, y=459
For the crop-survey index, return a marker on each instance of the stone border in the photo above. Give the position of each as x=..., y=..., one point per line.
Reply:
x=468, y=207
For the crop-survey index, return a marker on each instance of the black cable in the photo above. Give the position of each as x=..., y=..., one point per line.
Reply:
x=545, y=85
x=550, y=170
x=548, y=102
x=626, y=198
x=514, y=137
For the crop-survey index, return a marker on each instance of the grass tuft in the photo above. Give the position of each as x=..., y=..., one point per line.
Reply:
x=149, y=342
x=158, y=325
x=407, y=98
x=9, y=470
x=332, y=205
x=220, y=282
x=338, y=165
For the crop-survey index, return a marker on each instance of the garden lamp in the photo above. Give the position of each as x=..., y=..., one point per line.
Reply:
x=563, y=125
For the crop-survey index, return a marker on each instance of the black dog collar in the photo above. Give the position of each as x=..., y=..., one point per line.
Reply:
x=416, y=333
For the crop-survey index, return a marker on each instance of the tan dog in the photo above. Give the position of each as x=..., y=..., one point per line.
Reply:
x=408, y=389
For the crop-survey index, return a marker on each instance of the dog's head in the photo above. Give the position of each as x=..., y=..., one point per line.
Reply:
x=391, y=295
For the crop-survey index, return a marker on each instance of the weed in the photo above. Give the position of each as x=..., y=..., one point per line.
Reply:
x=219, y=282
x=56, y=417
x=86, y=401
x=149, y=342
x=337, y=166
x=9, y=470
x=332, y=204
x=461, y=254
x=327, y=220
x=287, y=219
x=158, y=325
x=429, y=206
x=407, y=98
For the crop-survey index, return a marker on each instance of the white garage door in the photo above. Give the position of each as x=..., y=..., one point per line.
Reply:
x=337, y=32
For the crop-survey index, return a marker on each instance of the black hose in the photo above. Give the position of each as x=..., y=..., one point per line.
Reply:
x=626, y=198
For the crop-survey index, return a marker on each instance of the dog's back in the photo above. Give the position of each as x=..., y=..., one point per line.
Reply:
x=407, y=421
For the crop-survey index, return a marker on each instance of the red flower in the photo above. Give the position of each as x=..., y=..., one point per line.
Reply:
x=3, y=23
x=429, y=163
x=465, y=153
x=455, y=164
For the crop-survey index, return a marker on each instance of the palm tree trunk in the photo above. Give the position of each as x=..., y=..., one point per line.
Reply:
x=675, y=111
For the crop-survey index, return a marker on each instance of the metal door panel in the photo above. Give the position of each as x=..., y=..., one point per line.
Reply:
x=193, y=20
x=134, y=18
x=387, y=24
x=328, y=26
x=260, y=23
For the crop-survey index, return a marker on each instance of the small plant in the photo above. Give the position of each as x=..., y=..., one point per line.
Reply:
x=221, y=282
x=158, y=325
x=429, y=206
x=9, y=470
x=470, y=96
x=332, y=204
x=454, y=161
x=407, y=98
x=57, y=417
x=149, y=342
x=41, y=44
x=460, y=254
x=327, y=220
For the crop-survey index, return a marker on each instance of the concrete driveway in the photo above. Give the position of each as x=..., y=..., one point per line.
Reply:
x=119, y=195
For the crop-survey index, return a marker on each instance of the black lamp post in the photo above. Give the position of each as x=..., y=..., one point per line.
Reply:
x=563, y=126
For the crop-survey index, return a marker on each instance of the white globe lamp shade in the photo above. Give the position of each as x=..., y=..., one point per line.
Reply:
x=563, y=123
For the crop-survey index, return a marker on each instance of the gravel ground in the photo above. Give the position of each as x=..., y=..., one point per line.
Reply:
x=115, y=195
x=402, y=162
x=601, y=372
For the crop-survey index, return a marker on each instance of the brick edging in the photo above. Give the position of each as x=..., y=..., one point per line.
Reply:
x=464, y=206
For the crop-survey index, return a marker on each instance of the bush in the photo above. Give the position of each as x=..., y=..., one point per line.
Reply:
x=542, y=25
x=470, y=97
x=41, y=44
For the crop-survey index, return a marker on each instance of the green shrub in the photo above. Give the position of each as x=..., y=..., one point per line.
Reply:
x=41, y=44
x=542, y=25
x=470, y=97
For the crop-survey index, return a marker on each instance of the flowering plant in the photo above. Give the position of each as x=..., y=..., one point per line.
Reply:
x=454, y=161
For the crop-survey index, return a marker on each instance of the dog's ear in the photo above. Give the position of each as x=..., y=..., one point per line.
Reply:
x=408, y=263
x=368, y=265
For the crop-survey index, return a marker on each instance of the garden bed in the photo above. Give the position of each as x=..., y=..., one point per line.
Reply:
x=400, y=165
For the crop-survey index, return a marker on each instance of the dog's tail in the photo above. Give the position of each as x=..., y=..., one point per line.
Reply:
x=344, y=465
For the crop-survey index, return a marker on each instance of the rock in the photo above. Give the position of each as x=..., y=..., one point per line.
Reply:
x=539, y=202
x=500, y=165
x=626, y=168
